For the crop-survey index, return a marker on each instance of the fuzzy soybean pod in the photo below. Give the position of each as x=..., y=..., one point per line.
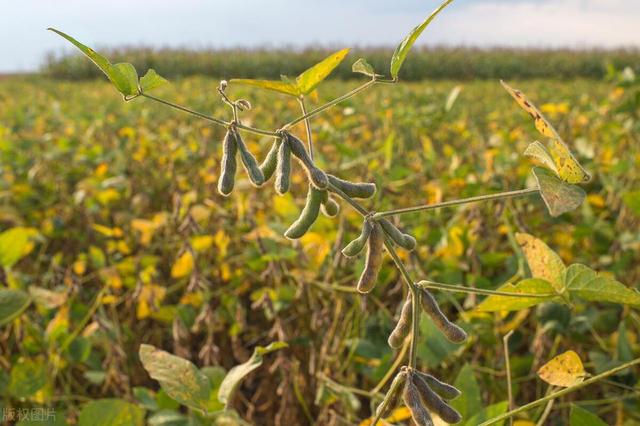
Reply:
x=451, y=331
x=283, y=169
x=356, y=246
x=373, y=262
x=403, y=327
x=249, y=162
x=330, y=207
x=413, y=401
x=405, y=241
x=433, y=402
x=354, y=190
x=308, y=215
x=443, y=389
x=393, y=395
x=316, y=176
x=229, y=165
x=268, y=166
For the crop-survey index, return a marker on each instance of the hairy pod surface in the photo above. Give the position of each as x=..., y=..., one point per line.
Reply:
x=316, y=176
x=452, y=331
x=433, y=402
x=392, y=398
x=249, y=162
x=373, y=262
x=308, y=215
x=405, y=241
x=354, y=190
x=228, y=163
x=268, y=166
x=443, y=389
x=356, y=246
x=283, y=169
x=403, y=327
x=330, y=207
x=413, y=401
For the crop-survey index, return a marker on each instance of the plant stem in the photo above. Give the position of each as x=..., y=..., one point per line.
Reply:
x=329, y=104
x=500, y=195
x=425, y=284
x=507, y=365
x=307, y=126
x=562, y=392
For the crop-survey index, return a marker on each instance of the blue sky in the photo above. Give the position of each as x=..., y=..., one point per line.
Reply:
x=334, y=23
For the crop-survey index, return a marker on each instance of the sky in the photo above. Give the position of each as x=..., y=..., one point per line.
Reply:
x=331, y=23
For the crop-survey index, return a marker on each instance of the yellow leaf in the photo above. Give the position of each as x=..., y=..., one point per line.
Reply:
x=183, y=265
x=222, y=241
x=543, y=262
x=149, y=300
x=564, y=370
x=202, y=242
x=316, y=246
x=108, y=232
x=80, y=266
x=523, y=423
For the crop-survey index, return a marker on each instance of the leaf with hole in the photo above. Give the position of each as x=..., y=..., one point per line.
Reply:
x=235, y=376
x=407, y=43
x=558, y=196
x=564, y=370
x=179, y=378
x=540, y=291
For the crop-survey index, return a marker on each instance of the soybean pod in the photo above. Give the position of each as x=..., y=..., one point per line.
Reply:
x=373, y=262
x=452, y=331
x=353, y=190
x=433, y=402
x=308, y=215
x=226, y=180
x=283, y=169
x=403, y=327
x=392, y=397
x=316, y=176
x=412, y=400
x=356, y=246
x=249, y=162
x=443, y=389
x=405, y=241
x=268, y=166
x=330, y=207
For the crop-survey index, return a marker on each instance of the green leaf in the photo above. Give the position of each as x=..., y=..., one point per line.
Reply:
x=151, y=80
x=12, y=304
x=273, y=85
x=488, y=413
x=179, y=378
x=309, y=79
x=216, y=376
x=407, y=43
x=632, y=200
x=536, y=286
x=470, y=401
x=235, y=376
x=111, y=412
x=120, y=74
x=27, y=377
x=363, y=67
x=560, y=197
x=581, y=417
x=15, y=243
x=587, y=284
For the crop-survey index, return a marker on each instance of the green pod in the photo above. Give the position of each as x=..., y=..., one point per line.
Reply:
x=283, y=169
x=308, y=215
x=249, y=162
x=405, y=241
x=392, y=398
x=229, y=165
x=354, y=190
x=356, y=246
x=330, y=207
x=443, y=389
x=316, y=176
x=403, y=327
x=373, y=262
x=433, y=402
x=268, y=166
x=412, y=400
x=452, y=331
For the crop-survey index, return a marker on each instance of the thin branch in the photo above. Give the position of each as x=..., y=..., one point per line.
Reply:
x=425, y=284
x=507, y=365
x=307, y=126
x=562, y=392
x=498, y=196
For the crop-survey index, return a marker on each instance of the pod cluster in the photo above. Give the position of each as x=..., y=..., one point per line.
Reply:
x=231, y=146
x=422, y=394
x=371, y=236
x=452, y=331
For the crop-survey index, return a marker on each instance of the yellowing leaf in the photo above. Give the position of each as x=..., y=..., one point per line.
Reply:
x=183, y=266
x=149, y=300
x=526, y=293
x=564, y=370
x=316, y=247
x=309, y=79
x=201, y=242
x=15, y=243
x=539, y=152
x=543, y=262
x=558, y=196
x=273, y=85
x=108, y=232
